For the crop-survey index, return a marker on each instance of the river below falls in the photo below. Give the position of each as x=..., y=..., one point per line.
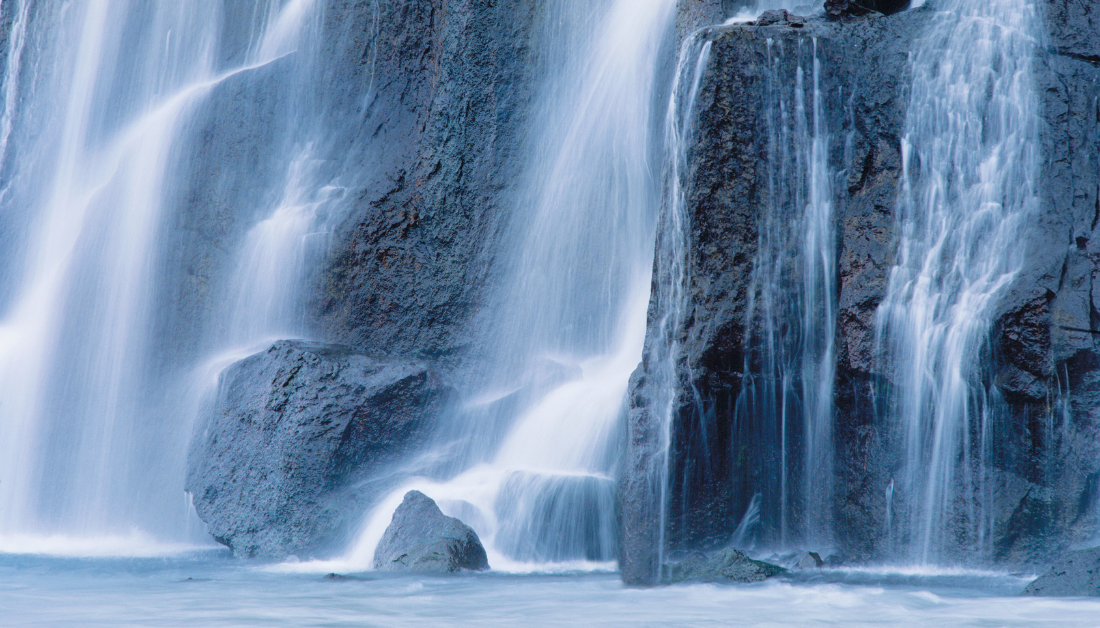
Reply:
x=210, y=588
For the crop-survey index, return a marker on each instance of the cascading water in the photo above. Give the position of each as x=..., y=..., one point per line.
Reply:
x=970, y=155
x=670, y=267
x=785, y=409
x=538, y=446
x=92, y=192
x=787, y=403
x=783, y=418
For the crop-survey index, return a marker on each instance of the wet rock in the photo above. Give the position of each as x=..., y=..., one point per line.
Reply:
x=769, y=18
x=840, y=9
x=280, y=463
x=421, y=538
x=434, y=96
x=1043, y=353
x=810, y=560
x=1078, y=573
x=725, y=565
x=780, y=17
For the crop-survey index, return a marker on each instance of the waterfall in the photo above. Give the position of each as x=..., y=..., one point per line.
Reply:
x=104, y=104
x=532, y=453
x=785, y=409
x=970, y=168
x=670, y=269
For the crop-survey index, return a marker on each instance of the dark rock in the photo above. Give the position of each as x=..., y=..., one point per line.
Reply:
x=780, y=17
x=434, y=97
x=422, y=539
x=810, y=560
x=1074, y=27
x=840, y=9
x=277, y=466
x=769, y=18
x=718, y=463
x=1078, y=573
x=725, y=565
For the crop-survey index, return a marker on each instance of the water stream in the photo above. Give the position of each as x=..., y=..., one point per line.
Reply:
x=94, y=196
x=970, y=154
x=536, y=478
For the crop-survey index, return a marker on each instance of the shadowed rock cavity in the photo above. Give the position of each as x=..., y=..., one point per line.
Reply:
x=420, y=538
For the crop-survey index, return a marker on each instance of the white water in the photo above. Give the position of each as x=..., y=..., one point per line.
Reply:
x=970, y=154
x=214, y=590
x=670, y=269
x=537, y=482
x=89, y=452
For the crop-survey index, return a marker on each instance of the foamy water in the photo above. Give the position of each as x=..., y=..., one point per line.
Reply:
x=212, y=589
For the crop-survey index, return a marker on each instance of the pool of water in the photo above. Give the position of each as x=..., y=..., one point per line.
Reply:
x=210, y=588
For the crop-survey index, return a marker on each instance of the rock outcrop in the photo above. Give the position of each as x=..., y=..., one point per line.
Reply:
x=840, y=9
x=1041, y=486
x=420, y=538
x=1078, y=573
x=281, y=463
x=434, y=101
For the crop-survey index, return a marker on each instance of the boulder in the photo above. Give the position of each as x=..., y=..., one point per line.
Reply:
x=422, y=539
x=780, y=17
x=280, y=462
x=809, y=560
x=726, y=565
x=1078, y=573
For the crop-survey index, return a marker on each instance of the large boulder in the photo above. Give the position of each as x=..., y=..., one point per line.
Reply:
x=421, y=538
x=1078, y=573
x=280, y=463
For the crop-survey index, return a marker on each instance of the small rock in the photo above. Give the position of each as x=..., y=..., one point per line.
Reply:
x=1078, y=573
x=810, y=560
x=727, y=565
x=421, y=538
x=769, y=18
x=841, y=9
x=796, y=21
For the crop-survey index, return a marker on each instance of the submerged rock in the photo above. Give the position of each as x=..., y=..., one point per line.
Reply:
x=278, y=466
x=727, y=565
x=421, y=538
x=1076, y=574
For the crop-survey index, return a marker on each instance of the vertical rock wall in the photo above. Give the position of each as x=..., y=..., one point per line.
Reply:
x=1044, y=462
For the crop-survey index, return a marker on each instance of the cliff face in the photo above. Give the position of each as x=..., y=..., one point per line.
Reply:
x=1043, y=467
x=445, y=84
x=411, y=115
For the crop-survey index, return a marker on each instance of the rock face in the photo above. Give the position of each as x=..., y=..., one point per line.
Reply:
x=726, y=565
x=1042, y=486
x=422, y=539
x=445, y=86
x=280, y=464
x=726, y=193
x=1076, y=574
